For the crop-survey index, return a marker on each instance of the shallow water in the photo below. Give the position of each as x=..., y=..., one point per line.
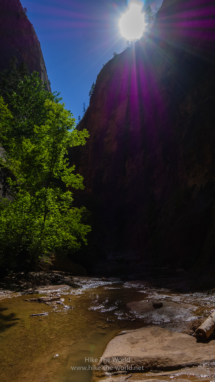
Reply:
x=45, y=348
x=63, y=346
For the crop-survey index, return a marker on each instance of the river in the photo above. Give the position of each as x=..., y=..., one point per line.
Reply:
x=63, y=345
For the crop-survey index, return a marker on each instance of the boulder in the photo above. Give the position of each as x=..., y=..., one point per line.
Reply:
x=154, y=348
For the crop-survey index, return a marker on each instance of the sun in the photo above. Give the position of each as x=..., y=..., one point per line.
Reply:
x=132, y=23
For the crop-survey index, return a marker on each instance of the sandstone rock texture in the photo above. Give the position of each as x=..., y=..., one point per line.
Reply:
x=18, y=38
x=149, y=163
x=154, y=348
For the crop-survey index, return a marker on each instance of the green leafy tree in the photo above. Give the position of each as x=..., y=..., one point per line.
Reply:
x=40, y=217
x=11, y=77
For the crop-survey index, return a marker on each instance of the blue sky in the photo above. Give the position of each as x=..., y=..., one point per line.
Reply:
x=77, y=37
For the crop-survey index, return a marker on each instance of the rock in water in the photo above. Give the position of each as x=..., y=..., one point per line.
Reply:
x=154, y=348
x=157, y=304
x=169, y=312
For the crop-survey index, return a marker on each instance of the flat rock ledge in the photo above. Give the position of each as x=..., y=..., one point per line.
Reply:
x=153, y=348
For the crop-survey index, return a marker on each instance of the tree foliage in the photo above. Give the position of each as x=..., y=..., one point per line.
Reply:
x=35, y=131
x=11, y=77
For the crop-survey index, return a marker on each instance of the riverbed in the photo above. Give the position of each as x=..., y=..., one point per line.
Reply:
x=66, y=343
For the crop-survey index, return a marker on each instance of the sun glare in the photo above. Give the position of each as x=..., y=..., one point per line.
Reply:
x=132, y=23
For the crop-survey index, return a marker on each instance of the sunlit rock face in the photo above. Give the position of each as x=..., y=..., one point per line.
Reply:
x=18, y=38
x=149, y=163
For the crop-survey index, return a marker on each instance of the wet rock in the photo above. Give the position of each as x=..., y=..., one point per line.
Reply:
x=154, y=348
x=74, y=285
x=157, y=304
x=39, y=314
x=137, y=284
x=43, y=299
x=59, y=303
x=169, y=312
x=29, y=291
x=53, y=288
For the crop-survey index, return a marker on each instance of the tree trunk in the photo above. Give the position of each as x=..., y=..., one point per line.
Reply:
x=207, y=328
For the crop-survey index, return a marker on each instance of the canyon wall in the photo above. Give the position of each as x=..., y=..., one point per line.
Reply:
x=18, y=38
x=149, y=164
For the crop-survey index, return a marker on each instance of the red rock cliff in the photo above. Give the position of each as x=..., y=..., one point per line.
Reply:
x=18, y=38
x=149, y=164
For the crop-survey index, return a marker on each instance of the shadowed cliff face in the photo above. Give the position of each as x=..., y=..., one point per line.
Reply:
x=18, y=38
x=149, y=163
